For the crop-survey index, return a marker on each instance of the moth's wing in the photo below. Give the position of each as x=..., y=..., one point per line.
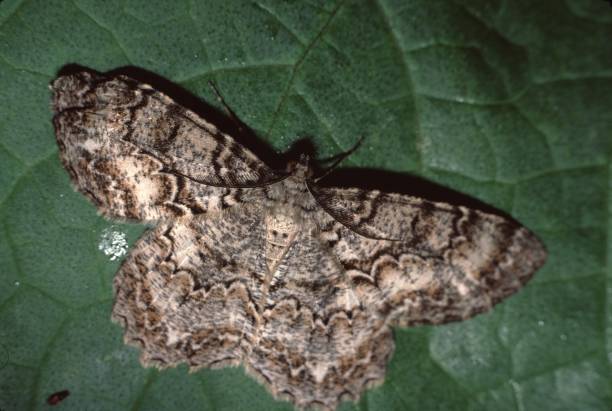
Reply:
x=188, y=291
x=317, y=345
x=137, y=154
x=445, y=263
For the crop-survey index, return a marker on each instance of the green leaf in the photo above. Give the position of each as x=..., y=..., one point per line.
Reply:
x=506, y=101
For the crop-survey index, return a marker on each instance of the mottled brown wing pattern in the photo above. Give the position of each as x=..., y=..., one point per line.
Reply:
x=300, y=284
x=138, y=155
x=441, y=263
x=196, y=290
x=188, y=291
x=317, y=345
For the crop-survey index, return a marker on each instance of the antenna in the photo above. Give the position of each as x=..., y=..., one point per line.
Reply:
x=339, y=159
x=228, y=110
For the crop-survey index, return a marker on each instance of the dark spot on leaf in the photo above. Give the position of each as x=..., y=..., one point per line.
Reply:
x=57, y=397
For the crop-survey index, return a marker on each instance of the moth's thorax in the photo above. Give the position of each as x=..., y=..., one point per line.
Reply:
x=292, y=192
x=300, y=170
x=285, y=217
x=281, y=230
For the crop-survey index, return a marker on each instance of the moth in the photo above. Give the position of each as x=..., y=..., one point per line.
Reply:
x=299, y=283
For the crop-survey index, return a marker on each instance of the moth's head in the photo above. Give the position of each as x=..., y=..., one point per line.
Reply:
x=301, y=169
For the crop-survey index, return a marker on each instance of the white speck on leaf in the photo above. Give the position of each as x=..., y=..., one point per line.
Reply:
x=563, y=337
x=113, y=243
x=541, y=323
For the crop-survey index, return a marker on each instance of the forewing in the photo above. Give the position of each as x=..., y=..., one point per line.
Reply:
x=188, y=290
x=439, y=262
x=137, y=154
